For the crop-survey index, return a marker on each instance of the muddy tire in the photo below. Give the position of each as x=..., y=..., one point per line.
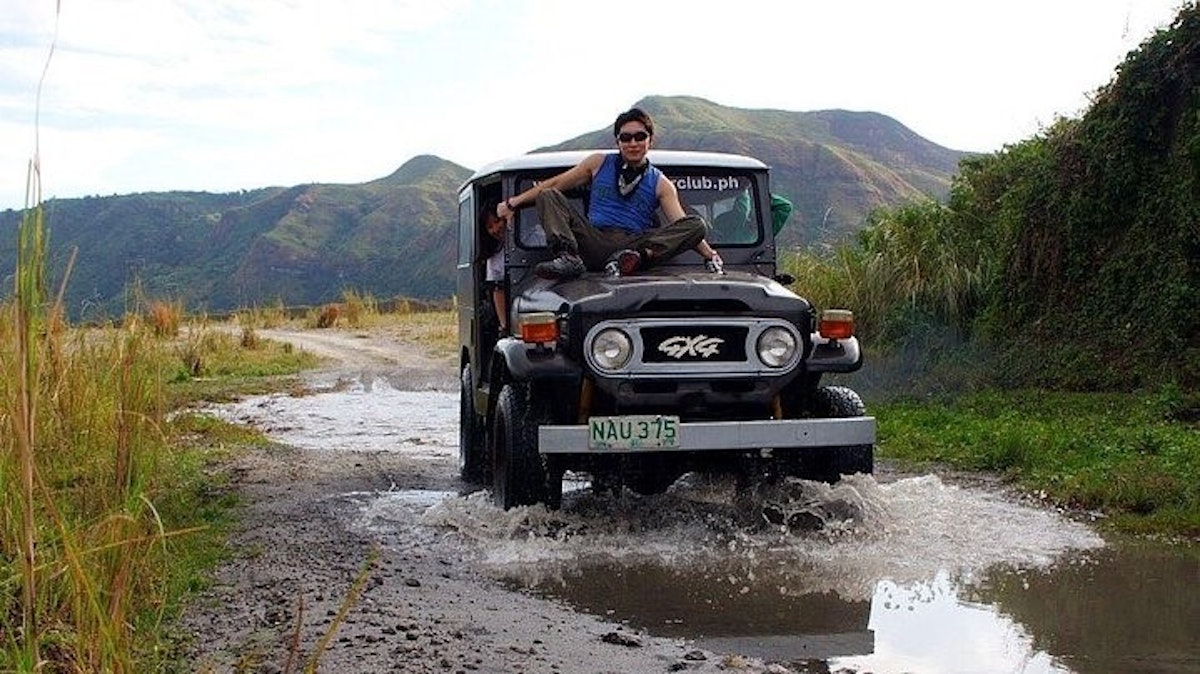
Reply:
x=518, y=476
x=839, y=402
x=473, y=465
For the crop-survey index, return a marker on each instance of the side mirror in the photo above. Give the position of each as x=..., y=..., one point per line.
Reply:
x=785, y=278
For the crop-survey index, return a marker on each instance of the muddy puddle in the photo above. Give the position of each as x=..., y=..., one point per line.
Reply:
x=882, y=575
x=361, y=414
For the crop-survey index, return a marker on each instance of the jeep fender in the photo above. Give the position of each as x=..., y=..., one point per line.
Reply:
x=834, y=355
x=525, y=362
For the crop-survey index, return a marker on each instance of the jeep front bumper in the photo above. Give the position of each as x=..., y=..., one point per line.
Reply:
x=728, y=435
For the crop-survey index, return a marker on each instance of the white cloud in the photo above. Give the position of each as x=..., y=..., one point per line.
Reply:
x=220, y=95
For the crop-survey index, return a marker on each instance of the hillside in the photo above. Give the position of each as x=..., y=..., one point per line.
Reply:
x=305, y=245
x=1099, y=223
x=395, y=236
x=1069, y=260
x=391, y=237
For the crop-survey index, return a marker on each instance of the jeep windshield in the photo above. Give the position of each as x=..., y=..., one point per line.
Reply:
x=727, y=199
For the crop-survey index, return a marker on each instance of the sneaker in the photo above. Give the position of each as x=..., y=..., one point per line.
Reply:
x=565, y=266
x=623, y=262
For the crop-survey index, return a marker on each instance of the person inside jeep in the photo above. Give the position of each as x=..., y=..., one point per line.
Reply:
x=618, y=235
x=493, y=251
x=493, y=304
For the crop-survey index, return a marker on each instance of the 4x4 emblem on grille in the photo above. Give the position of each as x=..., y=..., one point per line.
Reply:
x=700, y=345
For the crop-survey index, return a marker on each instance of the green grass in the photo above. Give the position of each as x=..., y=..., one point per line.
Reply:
x=1134, y=457
x=215, y=364
x=128, y=505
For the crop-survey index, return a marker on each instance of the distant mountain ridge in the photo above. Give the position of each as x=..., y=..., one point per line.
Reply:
x=396, y=235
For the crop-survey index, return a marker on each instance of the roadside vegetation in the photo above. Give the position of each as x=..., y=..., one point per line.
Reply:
x=1131, y=459
x=114, y=497
x=1044, y=322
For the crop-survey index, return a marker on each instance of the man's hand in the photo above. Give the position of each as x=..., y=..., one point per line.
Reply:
x=506, y=210
x=715, y=264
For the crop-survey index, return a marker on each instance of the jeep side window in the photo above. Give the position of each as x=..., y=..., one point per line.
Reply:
x=528, y=228
x=466, y=231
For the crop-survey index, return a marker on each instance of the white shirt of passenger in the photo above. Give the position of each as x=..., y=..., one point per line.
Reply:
x=495, y=267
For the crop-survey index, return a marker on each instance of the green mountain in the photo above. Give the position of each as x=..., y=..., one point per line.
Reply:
x=395, y=236
x=303, y=245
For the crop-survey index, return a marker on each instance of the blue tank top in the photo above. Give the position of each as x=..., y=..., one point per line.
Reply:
x=607, y=208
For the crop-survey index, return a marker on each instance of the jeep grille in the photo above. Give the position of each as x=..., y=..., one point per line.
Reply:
x=692, y=348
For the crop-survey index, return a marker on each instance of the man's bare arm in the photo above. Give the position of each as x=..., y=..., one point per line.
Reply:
x=577, y=175
x=498, y=301
x=668, y=199
x=672, y=207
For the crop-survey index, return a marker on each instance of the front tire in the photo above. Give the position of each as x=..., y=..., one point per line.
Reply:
x=518, y=475
x=840, y=402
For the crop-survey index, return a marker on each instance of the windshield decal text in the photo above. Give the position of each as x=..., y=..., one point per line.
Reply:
x=720, y=184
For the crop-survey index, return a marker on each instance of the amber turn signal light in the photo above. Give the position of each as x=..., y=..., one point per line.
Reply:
x=836, y=324
x=539, y=328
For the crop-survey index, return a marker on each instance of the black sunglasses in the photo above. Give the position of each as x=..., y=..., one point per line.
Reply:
x=638, y=136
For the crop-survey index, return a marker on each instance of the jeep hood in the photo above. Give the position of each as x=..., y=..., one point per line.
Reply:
x=664, y=291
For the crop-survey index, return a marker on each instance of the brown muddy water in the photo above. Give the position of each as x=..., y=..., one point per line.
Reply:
x=877, y=574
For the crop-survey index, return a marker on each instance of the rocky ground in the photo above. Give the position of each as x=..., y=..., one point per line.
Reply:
x=308, y=586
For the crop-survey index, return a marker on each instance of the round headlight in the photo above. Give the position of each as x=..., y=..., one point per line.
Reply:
x=776, y=347
x=611, y=349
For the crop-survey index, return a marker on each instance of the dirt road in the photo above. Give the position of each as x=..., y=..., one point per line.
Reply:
x=423, y=607
x=874, y=573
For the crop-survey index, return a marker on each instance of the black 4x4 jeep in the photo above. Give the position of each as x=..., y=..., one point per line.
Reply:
x=636, y=380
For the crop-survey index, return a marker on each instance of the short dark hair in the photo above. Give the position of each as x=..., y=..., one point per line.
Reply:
x=487, y=210
x=633, y=115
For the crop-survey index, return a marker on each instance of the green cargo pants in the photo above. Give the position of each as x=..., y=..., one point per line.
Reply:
x=568, y=229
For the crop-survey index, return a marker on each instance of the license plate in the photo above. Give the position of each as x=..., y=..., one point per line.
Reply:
x=633, y=432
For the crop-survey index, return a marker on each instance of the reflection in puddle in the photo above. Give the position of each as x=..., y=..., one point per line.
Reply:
x=928, y=627
x=882, y=590
x=719, y=608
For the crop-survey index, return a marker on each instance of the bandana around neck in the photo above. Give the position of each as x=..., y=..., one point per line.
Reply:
x=629, y=177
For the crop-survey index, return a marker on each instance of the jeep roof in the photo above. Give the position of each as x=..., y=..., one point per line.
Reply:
x=567, y=158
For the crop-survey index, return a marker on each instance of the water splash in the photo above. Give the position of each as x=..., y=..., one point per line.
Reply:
x=843, y=538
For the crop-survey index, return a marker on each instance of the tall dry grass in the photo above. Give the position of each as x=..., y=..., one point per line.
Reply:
x=18, y=471
x=102, y=503
x=89, y=484
x=165, y=317
x=75, y=517
x=77, y=482
x=265, y=317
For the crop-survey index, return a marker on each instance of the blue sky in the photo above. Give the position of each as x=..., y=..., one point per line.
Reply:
x=222, y=95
